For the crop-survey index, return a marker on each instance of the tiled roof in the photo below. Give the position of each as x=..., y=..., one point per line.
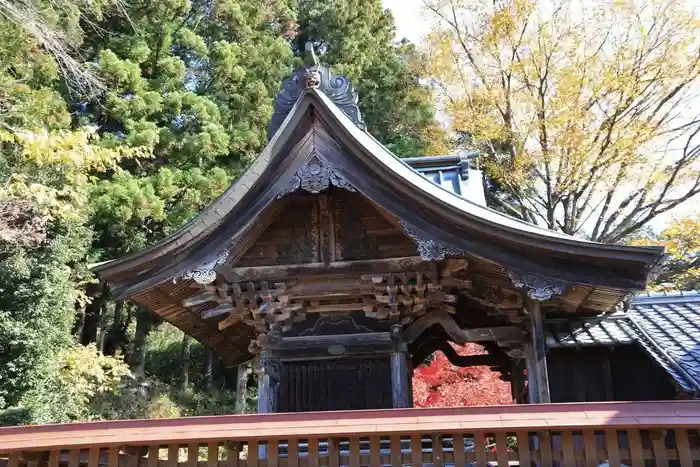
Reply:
x=666, y=325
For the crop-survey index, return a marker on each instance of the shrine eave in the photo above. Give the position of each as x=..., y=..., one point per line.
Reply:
x=317, y=126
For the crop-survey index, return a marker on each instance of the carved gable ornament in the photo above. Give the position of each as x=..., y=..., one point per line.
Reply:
x=537, y=287
x=315, y=176
x=429, y=249
x=205, y=273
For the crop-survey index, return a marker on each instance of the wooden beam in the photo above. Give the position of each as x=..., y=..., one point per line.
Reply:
x=229, y=321
x=423, y=351
x=290, y=271
x=536, y=355
x=459, y=335
x=219, y=310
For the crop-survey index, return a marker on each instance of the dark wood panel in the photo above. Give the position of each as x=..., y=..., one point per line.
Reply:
x=363, y=232
x=347, y=384
x=623, y=373
x=291, y=237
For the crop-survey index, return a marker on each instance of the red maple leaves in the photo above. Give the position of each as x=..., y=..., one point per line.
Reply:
x=441, y=384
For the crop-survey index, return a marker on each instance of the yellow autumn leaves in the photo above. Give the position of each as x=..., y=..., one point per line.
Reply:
x=576, y=105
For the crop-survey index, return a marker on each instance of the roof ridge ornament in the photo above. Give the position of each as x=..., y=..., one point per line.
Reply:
x=428, y=248
x=538, y=287
x=315, y=76
x=315, y=175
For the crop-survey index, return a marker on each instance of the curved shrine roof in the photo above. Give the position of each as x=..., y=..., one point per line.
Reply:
x=319, y=144
x=317, y=125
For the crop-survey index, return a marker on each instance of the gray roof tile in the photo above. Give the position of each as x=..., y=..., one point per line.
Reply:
x=666, y=325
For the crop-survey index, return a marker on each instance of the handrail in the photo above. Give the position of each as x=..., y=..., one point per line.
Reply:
x=637, y=415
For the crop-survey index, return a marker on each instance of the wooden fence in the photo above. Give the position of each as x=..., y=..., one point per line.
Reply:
x=640, y=434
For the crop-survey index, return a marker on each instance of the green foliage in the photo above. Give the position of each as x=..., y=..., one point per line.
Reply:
x=131, y=212
x=161, y=394
x=43, y=243
x=37, y=303
x=135, y=399
x=74, y=377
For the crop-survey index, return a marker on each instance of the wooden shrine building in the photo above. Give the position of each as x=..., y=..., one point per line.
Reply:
x=340, y=266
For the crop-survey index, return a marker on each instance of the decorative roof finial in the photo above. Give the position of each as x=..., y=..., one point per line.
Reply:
x=312, y=76
x=311, y=58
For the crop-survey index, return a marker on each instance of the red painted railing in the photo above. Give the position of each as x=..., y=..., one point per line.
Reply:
x=588, y=434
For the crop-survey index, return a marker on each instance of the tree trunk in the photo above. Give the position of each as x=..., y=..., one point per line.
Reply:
x=144, y=324
x=185, y=358
x=93, y=312
x=116, y=336
x=79, y=323
x=208, y=368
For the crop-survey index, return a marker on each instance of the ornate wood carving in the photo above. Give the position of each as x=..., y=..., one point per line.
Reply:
x=337, y=87
x=205, y=273
x=334, y=324
x=273, y=307
x=537, y=287
x=315, y=176
x=428, y=248
x=404, y=295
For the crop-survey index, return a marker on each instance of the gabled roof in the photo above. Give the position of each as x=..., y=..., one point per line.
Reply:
x=315, y=124
x=666, y=325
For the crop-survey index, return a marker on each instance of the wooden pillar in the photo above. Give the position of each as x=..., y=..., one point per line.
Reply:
x=517, y=382
x=536, y=357
x=264, y=395
x=264, y=386
x=400, y=385
x=241, y=387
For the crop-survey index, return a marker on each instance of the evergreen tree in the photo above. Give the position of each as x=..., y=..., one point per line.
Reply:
x=195, y=82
